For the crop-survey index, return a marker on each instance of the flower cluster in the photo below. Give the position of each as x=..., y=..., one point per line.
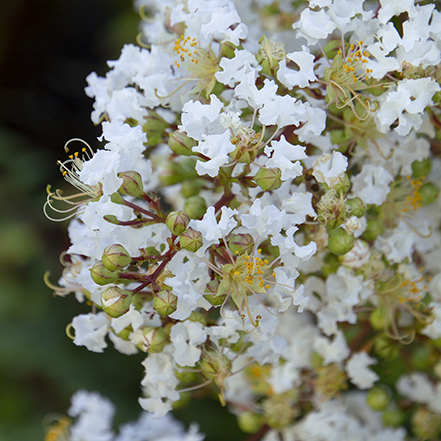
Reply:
x=263, y=219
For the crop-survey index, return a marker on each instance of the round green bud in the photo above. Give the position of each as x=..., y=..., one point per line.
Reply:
x=374, y=228
x=116, y=301
x=198, y=317
x=378, y=398
x=393, y=418
x=154, y=127
x=181, y=144
x=240, y=243
x=191, y=240
x=420, y=169
x=177, y=222
x=425, y=424
x=428, y=192
x=101, y=275
x=132, y=184
x=340, y=241
x=153, y=340
x=195, y=207
x=165, y=302
x=356, y=207
x=192, y=187
x=116, y=257
x=268, y=178
x=377, y=319
x=343, y=184
x=421, y=357
x=250, y=422
x=175, y=172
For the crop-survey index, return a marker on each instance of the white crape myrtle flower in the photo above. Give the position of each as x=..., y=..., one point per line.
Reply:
x=94, y=417
x=314, y=25
x=358, y=371
x=406, y=104
x=255, y=97
x=372, y=184
x=91, y=330
x=333, y=351
x=419, y=388
x=148, y=428
x=185, y=338
x=159, y=384
x=330, y=168
x=305, y=73
x=433, y=330
x=234, y=69
x=282, y=155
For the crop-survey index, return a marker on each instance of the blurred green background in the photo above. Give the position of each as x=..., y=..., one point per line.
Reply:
x=47, y=48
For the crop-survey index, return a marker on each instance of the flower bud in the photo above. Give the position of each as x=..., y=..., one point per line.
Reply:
x=426, y=425
x=101, y=275
x=268, y=178
x=393, y=418
x=192, y=187
x=420, y=169
x=176, y=172
x=343, y=184
x=212, y=297
x=116, y=301
x=340, y=242
x=116, y=257
x=195, y=207
x=154, y=127
x=374, y=228
x=191, y=240
x=177, y=222
x=181, y=144
x=356, y=207
x=250, y=422
x=378, y=318
x=378, y=398
x=165, y=302
x=279, y=411
x=428, y=192
x=132, y=184
x=116, y=198
x=153, y=340
x=240, y=243
x=216, y=366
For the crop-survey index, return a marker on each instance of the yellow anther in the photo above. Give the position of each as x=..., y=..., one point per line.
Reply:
x=267, y=286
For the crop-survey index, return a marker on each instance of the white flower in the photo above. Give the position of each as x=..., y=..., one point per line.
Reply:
x=185, y=338
x=358, y=372
x=305, y=73
x=91, y=330
x=330, y=169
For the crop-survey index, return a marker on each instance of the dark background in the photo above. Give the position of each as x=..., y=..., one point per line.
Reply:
x=47, y=48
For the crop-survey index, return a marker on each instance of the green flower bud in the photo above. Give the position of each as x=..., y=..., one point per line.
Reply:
x=356, y=207
x=216, y=366
x=250, y=422
x=186, y=376
x=378, y=398
x=198, y=317
x=191, y=240
x=374, y=228
x=213, y=298
x=177, y=222
x=132, y=184
x=176, y=172
x=343, y=184
x=377, y=319
x=421, y=169
x=195, y=207
x=154, y=127
x=116, y=301
x=192, y=187
x=116, y=257
x=340, y=242
x=101, y=275
x=240, y=243
x=181, y=144
x=428, y=192
x=165, y=302
x=425, y=424
x=393, y=418
x=278, y=411
x=268, y=178
x=422, y=357
x=153, y=340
